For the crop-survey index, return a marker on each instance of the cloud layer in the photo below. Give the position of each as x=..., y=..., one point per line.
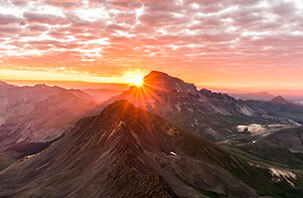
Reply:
x=209, y=40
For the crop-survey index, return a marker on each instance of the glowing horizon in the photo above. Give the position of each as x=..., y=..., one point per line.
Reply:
x=226, y=44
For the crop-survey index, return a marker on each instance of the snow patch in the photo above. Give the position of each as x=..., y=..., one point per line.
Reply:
x=252, y=128
x=282, y=174
x=172, y=153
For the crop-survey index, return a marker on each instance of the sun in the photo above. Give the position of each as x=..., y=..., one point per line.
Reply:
x=134, y=78
x=137, y=80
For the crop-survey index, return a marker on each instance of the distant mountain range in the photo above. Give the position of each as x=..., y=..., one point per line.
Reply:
x=128, y=152
x=263, y=96
x=101, y=95
x=279, y=110
x=34, y=114
x=280, y=100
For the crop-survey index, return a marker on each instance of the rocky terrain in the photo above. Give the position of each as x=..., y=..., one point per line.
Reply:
x=128, y=152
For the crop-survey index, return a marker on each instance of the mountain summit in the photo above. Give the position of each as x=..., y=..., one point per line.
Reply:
x=279, y=100
x=164, y=82
x=2, y=83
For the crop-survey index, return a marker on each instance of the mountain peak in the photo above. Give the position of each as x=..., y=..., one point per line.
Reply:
x=120, y=105
x=41, y=85
x=154, y=72
x=162, y=81
x=279, y=100
x=3, y=83
x=263, y=92
x=122, y=110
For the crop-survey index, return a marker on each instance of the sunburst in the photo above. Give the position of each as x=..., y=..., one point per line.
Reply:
x=137, y=80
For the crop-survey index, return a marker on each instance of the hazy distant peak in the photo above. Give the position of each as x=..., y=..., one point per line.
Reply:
x=263, y=92
x=6, y=85
x=2, y=83
x=280, y=100
x=41, y=86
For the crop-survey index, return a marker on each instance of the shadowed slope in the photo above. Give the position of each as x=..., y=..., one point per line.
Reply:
x=98, y=158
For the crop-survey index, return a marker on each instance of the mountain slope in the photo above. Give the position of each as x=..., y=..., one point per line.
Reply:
x=128, y=152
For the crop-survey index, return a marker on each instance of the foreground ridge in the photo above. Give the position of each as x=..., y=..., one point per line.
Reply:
x=128, y=152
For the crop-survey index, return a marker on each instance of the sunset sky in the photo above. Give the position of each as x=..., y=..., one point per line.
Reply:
x=215, y=43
